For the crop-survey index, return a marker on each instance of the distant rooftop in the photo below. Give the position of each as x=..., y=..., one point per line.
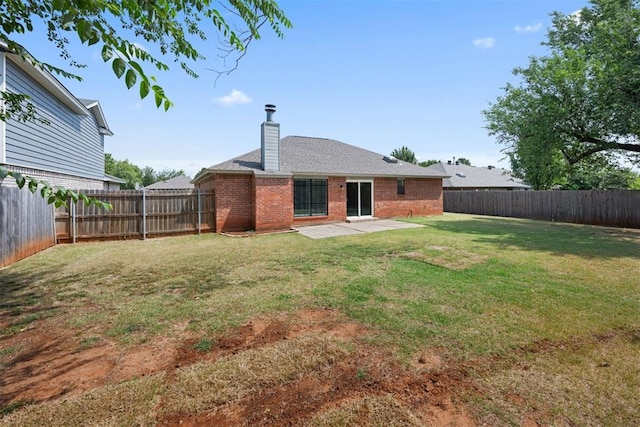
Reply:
x=180, y=182
x=471, y=177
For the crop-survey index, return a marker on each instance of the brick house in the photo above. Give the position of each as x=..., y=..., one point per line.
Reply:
x=299, y=180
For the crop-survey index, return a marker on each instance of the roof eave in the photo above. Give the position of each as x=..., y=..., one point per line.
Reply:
x=209, y=172
x=50, y=83
x=369, y=175
x=96, y=109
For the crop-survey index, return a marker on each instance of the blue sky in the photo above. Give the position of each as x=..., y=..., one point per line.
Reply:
x=376, y=74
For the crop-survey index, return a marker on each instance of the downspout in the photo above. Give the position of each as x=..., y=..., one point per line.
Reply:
x=3, y=125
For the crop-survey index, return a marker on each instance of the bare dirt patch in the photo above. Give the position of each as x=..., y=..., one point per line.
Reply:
x=52, y=363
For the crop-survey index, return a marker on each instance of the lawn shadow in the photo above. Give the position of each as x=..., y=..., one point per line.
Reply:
x=557, y=238
x=17, y=292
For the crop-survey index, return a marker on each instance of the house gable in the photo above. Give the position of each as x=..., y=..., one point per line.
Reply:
x=70, y=142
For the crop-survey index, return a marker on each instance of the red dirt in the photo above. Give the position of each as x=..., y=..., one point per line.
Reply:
x=50, y=363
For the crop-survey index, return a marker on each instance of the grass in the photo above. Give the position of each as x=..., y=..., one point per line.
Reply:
x=474, y=286
x=382, y=411
x=204, y=345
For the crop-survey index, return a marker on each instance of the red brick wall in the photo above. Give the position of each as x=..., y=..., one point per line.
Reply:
x=337, y=208
x=273, y=203
x=247, y=203
x=234, y=202
x=422, y=197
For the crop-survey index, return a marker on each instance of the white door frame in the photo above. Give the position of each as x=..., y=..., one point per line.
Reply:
x=367, y=180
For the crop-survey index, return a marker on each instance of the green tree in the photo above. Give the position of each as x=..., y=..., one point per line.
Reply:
x=599, y=173
x=580, y=100
x=405, y=154
x=200, y=172
x=464, y=161
x=149, y=176
x=428, y=163
x=170, y=25
x=133, y=174
x=123, y=169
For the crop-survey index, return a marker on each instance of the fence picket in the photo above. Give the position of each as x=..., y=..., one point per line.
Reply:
x=614, y=208
x=162, y=212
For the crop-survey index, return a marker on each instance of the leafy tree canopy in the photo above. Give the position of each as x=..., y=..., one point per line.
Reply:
x=134, y=174
x=405, y=154
x=464, y=161
x=599, y=173
x=200, y=172
x=172, y=26
x=580, y=100
x=428, y=163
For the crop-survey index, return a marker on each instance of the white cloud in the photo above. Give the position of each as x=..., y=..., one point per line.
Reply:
x=531, y=28
x=484, y=43
x=236, y=97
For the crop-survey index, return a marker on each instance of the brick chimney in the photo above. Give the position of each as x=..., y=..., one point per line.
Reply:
x=270, y=146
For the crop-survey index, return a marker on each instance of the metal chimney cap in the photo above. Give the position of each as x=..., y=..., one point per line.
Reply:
x=270, y=107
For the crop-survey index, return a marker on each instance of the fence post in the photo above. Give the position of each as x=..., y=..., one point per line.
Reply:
x=144, y=214
x=74, y=221
x=199, y=210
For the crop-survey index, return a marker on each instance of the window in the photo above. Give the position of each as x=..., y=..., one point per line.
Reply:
x=400, y=186
x=310, y=197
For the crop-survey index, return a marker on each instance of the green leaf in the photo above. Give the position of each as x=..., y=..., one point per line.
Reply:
x=130, y=78
x=33, y=185
x=45, y=192
x=144, y=89
x=3, y=173
x=107, y=53
x=119, y=66
x=20, y=180
x=158, y=99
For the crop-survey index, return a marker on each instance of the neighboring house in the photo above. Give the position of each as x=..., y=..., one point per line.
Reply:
x=301, y=180
x=463, y=177
x=113, y=182
x=180, y=182
x=68, y=150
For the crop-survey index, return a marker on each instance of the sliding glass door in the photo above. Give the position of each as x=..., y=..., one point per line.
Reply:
x=360, y=198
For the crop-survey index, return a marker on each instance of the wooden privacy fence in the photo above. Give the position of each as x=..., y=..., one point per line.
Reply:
x=26, y=224
x=615, y=208
x=137, y=214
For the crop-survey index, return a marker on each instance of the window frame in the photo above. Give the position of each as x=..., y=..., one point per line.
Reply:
x=315, y=192
x=401, y=187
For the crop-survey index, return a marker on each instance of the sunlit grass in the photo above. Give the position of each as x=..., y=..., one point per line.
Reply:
x=475, y=286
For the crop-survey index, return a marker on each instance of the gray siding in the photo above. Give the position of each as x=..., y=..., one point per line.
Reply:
x=70, y=143
x=270, y=146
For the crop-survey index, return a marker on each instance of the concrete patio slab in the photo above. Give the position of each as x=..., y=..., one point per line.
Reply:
x=346, y=228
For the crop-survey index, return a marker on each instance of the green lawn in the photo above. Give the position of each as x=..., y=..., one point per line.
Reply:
x=495, y=294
